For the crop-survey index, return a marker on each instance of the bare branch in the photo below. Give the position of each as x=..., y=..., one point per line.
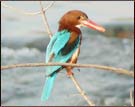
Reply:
x=23, y=11
x=81, y=91
x=45, y=20
x=107, y=68
x=50, y=5
x=131, y=98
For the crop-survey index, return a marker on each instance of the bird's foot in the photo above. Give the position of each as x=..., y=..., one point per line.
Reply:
x=70, y=73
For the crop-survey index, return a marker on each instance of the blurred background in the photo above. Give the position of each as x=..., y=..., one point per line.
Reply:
x=24, y=40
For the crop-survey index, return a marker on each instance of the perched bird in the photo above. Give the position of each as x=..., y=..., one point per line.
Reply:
x=64, y=46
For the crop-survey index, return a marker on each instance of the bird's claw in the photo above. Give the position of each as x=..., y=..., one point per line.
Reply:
x=69, y=73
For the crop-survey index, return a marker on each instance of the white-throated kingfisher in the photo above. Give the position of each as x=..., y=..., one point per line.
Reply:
x=64, y=46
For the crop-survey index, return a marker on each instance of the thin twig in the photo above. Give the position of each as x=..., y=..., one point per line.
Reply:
x=45, y=20
x=81, y=91
x=107, y=68
x=131, y=98
x=23, y=11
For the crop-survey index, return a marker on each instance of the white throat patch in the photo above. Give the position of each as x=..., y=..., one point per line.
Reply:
x=79, y=26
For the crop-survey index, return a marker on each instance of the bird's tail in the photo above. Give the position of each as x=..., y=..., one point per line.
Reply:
x=49, y=82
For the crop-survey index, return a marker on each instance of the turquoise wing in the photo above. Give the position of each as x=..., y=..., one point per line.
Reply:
x=58, y=41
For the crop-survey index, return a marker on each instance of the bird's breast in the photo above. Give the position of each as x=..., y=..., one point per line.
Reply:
x=75, y=56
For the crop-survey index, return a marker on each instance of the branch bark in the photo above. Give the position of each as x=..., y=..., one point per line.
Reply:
x=80, y=90
x=131, y=98
x=45, y=20
x=107, y=68
x=25, y=12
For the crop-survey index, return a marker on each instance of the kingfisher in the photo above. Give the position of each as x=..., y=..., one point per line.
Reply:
x=64, y=46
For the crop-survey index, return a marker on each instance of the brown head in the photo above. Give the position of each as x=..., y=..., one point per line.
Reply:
x=74, y=19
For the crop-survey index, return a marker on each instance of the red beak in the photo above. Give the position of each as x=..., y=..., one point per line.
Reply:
x=92, y=25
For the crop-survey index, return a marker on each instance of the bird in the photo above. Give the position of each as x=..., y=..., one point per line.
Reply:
x=64, y=46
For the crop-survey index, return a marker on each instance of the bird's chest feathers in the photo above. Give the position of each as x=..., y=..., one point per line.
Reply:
x=75, y=56
x=74, y=36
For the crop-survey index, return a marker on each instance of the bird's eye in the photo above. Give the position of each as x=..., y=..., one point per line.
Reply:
x=78, y=17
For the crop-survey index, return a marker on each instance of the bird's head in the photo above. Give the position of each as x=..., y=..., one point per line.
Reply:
x=77, y=18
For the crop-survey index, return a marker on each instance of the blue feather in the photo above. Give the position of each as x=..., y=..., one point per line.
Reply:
x=48, y=87
x=57, y=42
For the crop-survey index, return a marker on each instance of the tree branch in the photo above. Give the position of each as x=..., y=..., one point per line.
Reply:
x=23, y=11
x=107, y=68
x=82, y=93
x=131, y=98
x=45, y=20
